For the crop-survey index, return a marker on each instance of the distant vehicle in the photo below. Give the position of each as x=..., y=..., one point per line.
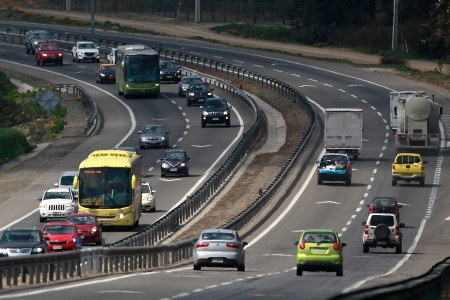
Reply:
x=394, y=98
x=383, y=204
x=320, y=250
x=185, y=82
x=109, y=186
x=154, y=135
x=334, y=167
x=66, y=179
x=85, y=51
x=89, y=227
x=106, y=73
x=148, y=197
x=34, y=37
x=219, y=248
x=111, y=56
x=408, y=167
x=197, y=93
x=216, y=111
x=169, y=71
x=61, y=236
x=57, y=203
x=127, y=148
x=49, y=53
x=175, y=162
x=343, y=131
x=137, y=71
x=17, y=242
x=382, y=230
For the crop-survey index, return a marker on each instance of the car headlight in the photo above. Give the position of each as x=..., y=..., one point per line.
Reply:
x=74, y=240
x=142, y=139
x=191, y=94
x=60, y=54
x=36, y=43
x=123, y=215
x=179, y=71
x=44, y=54
x=205, y=113
x=94, y=229
x=3, y=251
x=183, y=165
x=37, y=250
x=44, y=205
x=225, y=113
x=165, y=165
x=102, y=74
x=67, y=205
x=163, y=138
x=161, y=72
x=209, y=94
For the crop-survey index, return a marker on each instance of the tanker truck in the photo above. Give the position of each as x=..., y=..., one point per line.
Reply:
x=418, y=122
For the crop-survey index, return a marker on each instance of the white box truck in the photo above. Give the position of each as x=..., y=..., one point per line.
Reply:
x=343, y=130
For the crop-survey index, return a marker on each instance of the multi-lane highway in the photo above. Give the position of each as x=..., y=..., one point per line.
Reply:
x=270, y=255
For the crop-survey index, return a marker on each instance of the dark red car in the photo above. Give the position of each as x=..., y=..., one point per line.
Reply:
x=89, y=227
x=49, y=53
x=385, y=205
x=61, y=236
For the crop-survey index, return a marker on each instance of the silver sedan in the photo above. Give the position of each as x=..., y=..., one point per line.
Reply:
x=219, y=248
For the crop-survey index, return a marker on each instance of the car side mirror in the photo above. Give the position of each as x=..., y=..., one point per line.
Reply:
x=367, y=205
x=402, y=225
x=40, y=198
x=363, y=223
x=244, y=244
x=296, y=243
x=47, y=239
x=139, y=132
x=56, y=184
x=424, y=162
x=399, y=205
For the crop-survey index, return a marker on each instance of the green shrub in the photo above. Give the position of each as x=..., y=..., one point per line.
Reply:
x=13, y=143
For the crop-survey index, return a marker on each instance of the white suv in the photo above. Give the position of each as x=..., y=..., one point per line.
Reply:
x=57, y=203
x=85, y=51
x=382, y=230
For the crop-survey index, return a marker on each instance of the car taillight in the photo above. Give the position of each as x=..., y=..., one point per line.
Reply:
x=336, y=246
x=302, y=245
x=396, y=230
x=201, y=244
x=233, y=245
x=393, y=167
x=371, y=209
x=396, y=209
x=349, y=169
x=366, y=231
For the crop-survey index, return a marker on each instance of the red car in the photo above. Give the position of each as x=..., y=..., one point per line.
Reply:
x=89, y=227
x=49, y=53
x=61, y=236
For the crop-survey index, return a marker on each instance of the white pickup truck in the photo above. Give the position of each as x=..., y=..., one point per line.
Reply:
x=57, y=203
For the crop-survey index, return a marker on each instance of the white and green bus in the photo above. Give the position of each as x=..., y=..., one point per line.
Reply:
x=137, y=71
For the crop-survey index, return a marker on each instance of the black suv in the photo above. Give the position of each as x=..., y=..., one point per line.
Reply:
x=169, y=71
x=216, y=111
x=175, y=162
x=22, y=242
x=198, y=92
x=34, y=37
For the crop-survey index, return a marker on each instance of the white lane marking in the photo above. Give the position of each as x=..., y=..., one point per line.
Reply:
x=239, y=61
x=313, y=80
x=341, y=90
x=279, y=71
x=332, y=202
x=447, y=219
x=296, y=75
x=326, y=84
x=306, y=85
x=201, y=146
x=120, y=291
x=258, y=66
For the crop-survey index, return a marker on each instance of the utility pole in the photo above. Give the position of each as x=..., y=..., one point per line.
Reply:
x=93, y=4
x=197, y=11
x=395, y=25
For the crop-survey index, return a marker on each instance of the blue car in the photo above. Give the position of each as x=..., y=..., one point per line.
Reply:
x=334, y=167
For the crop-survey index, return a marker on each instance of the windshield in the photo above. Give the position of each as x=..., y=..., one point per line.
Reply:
x=145, y=189
x=67, y=180
x=141, y=68
x=50, y=47
x=86, y=46
x=216, y=103
x=58, y=229
x=81, y=220
x=42, y=36
x=154, y=129
x=17, y=236
x=56, y=195
x=105, y=188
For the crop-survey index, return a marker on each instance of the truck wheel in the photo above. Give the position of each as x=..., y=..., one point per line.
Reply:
x=398, y=249
x=365, y=248
x=394, y=182
x=340, y=272
x=355, y=157
x=422, y=182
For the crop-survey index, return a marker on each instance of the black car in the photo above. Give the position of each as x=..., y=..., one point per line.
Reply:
x=216, y=111
x=169, y=71
x=198, y=92
x=185, y=82
x=175, y=162
x=22, y=242
x=106, y=73
x=383, y=204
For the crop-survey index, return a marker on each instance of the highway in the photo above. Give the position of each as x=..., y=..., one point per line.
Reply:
x=270, y=256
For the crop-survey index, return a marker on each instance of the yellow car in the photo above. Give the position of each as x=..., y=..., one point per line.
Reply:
x=320, y=250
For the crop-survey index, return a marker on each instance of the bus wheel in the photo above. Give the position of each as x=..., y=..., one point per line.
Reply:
x=118, y=90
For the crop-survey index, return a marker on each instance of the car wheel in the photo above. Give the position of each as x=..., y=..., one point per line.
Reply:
x=203, y=124
x=299, y=271
x=366, y=248
x=398, y=249
x=27, y=50
x=186, y=174
x=228, y=123
x=394, y=182
x=381, y=232
x=197, y=267
x=319, y=180
x=73, y=58
x=77, y=60
x=188, y=102
x=348, y=181
x=241, y=268
x=61, y=63
x=37, y=61
x=163, y=174
x=422, y=182
x=97, y=60
x=340, y=272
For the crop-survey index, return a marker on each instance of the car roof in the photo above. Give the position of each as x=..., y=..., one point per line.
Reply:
x=219, y=230
x=39, y=31
x=66, y=173
x=82, y=215
x=175, y=150
x=22, y=229
x=58, y=223
x=335, y=154
x=153, y=125
x=59, y=189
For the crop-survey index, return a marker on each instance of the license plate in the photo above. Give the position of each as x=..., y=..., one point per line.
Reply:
x=169, y=76
x=82, y=237
x=318, y=249
x=173, y=169
x=57, y=247
x=217, y=260
x=215, y=119
x=381, y=242
x=53, y=55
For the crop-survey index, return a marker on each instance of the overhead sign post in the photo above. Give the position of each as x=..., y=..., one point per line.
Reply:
x=48, y=100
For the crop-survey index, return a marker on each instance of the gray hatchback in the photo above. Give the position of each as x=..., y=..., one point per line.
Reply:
x=219, y=248
x=152, y=136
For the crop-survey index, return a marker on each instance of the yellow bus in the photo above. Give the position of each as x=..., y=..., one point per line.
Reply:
x=109, y=185
x=137, y=71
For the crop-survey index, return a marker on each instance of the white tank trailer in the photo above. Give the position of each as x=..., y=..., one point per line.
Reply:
x=418, y=122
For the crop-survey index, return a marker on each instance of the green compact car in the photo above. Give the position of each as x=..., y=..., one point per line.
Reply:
x=320, y=250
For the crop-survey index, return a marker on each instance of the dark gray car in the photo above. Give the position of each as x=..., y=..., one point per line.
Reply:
x=154, y=136
x=216, y=111
x=185, y=82
x=198, y=92
x=22, y=242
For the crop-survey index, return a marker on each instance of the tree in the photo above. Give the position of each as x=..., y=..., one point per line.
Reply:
x=439, y=28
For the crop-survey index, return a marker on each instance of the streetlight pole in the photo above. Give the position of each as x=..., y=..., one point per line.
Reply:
x=197, y=11
x=395, y=25
x=92, y=19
